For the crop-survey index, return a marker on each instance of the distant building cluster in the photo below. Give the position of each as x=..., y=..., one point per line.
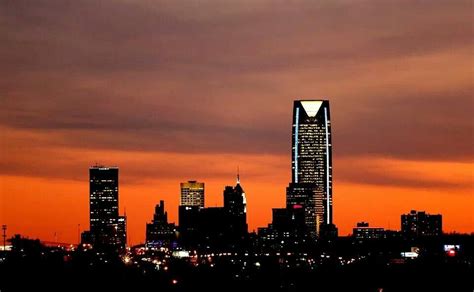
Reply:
x=414, y=225
x=226, y=226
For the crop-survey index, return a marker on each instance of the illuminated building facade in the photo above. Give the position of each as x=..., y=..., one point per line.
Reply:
x=192, y=194
x=419, y=224
x=311, y=185
x=107, y=228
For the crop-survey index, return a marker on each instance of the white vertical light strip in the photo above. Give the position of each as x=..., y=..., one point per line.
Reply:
x=297, y=118
x=327, y=164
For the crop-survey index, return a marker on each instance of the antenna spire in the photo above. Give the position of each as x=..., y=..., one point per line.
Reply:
x=238, y=175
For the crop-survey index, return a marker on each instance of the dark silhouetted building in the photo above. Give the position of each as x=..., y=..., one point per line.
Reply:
x=364, y=232
x=328, y=231
x=287, y=228
x=206, y=228
x=311, y=185
x=235, y=205
x=107, y=228
x=288, y=221
x=189, y=219
x=419, y=224
x=305, y=195
x=192, y=194
x=159, y=232
x=214, y=227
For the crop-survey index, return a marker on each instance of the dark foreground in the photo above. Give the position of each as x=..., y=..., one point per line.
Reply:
x=347, y=267
x=269, y=275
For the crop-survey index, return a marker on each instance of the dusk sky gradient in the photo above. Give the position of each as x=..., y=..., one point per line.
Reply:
x=176, y=90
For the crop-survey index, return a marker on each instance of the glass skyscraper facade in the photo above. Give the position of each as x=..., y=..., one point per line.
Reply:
x=311, y=185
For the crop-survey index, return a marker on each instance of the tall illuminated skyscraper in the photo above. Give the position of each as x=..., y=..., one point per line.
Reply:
x=107, y=228
x=192, y=194
x=311, y=185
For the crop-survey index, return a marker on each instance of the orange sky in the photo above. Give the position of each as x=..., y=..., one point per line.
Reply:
x=173, y=91
x=41, y=207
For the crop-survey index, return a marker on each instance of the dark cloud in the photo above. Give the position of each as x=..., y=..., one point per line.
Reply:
x=222, y=38
x=219, y=77
x=434, y=126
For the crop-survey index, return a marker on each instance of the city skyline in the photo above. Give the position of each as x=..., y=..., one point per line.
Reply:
x=103, y=182
x=175, y=93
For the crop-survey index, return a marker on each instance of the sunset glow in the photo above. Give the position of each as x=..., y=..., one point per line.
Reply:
x=172, y=93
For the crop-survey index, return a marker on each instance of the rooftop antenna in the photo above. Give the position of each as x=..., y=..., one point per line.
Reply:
x=238, y=175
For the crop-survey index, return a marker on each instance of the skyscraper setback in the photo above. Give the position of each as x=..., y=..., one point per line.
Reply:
x=311, y=185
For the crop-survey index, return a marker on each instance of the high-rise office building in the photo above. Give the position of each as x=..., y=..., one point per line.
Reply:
x=190, y=205
x=192, y=194
x=107, y=228
x=311, y=185
x=419, y=224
